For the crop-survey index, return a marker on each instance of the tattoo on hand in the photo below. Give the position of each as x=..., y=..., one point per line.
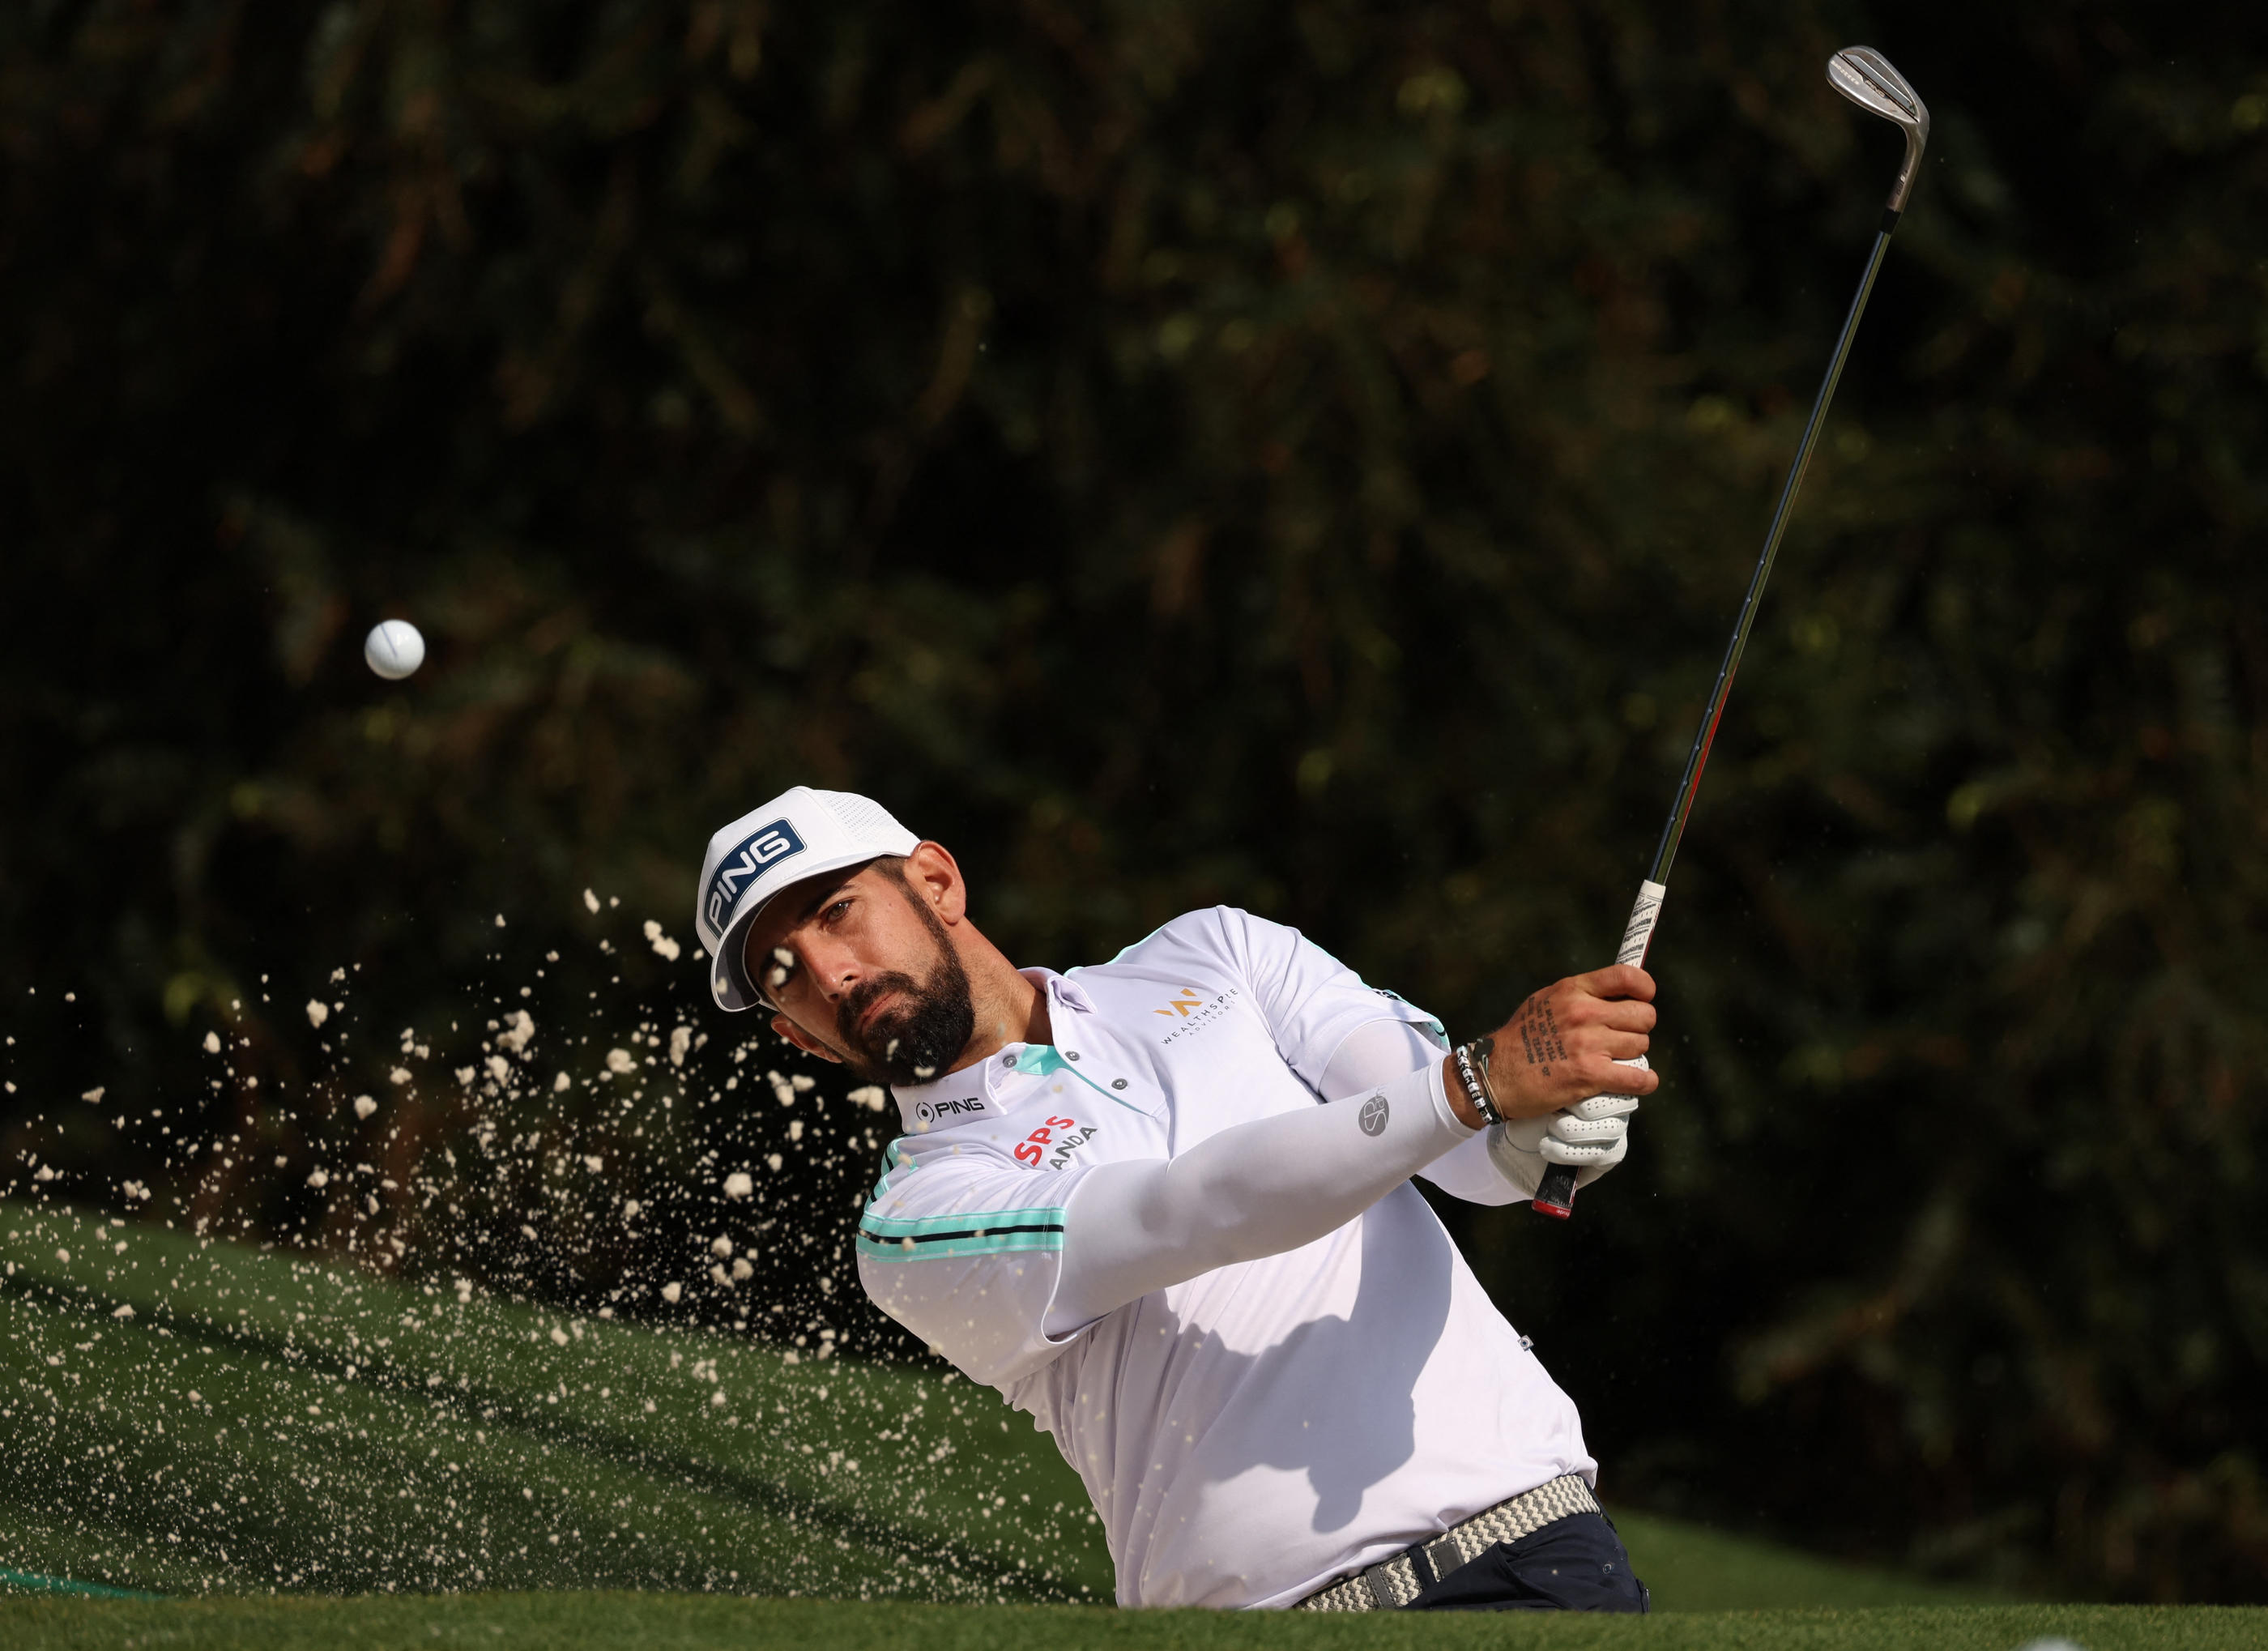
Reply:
x=1539, y=1034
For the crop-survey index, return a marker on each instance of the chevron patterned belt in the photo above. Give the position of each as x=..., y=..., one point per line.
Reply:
x=1397, y=1581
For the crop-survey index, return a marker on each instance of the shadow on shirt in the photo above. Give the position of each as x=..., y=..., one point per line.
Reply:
x=1336, y=1399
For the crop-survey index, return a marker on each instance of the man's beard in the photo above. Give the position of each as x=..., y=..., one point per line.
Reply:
x=918, y=1037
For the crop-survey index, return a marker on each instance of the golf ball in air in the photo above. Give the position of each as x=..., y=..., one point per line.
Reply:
x=393, y=649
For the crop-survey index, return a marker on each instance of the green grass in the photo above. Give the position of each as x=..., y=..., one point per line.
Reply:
x=1690, y=1568
x=259, y=1425
x=668, y=1622
x=269, y=1422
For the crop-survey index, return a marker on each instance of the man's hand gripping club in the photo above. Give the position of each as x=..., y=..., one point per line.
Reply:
x=1566, y=1072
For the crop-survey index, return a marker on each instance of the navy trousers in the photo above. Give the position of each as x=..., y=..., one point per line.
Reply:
x=1572, y=1564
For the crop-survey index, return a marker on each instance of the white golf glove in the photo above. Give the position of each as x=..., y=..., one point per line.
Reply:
x=1592, y=1136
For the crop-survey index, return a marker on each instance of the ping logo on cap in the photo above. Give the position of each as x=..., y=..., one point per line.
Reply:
x=765, y=847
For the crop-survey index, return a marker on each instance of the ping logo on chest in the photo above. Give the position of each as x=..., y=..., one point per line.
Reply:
x=765, y=846
x=929, y=1112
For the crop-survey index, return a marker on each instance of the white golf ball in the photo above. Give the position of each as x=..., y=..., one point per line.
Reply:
x=393, y=649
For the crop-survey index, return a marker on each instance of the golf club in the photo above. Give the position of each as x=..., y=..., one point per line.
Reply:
x=1864, y=76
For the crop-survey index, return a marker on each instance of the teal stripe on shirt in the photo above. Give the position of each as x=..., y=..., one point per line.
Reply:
x=893, y=1160
x=948, y=1248
x=902, y=1226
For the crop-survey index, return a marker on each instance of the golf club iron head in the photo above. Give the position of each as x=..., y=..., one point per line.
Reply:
x=1863, y=75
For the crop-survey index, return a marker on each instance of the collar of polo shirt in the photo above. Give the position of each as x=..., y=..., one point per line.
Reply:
x=973, y=1093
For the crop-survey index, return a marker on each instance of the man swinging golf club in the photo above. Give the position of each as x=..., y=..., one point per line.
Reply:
x=1163, y=1204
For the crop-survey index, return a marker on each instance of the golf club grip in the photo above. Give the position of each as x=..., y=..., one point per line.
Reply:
x=1555, y=1194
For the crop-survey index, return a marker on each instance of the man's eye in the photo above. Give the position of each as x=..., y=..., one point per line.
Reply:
x=837, y=909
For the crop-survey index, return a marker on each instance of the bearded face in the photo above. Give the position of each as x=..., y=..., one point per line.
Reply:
x=895, y=1028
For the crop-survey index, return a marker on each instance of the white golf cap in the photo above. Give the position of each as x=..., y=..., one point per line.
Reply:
x=799, y=834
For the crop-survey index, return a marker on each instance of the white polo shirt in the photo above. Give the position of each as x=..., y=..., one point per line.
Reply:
x=1259, y=1429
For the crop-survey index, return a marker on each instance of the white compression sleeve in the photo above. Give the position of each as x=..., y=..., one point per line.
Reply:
x=1375, y=1053
x=1378, y=1052
x=1257, y=1190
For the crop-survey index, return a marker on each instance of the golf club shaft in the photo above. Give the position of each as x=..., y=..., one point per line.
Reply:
x=1555, y=1195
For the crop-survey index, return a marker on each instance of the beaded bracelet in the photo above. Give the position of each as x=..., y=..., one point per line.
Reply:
x=1476, y=1088
x=1481, y=1046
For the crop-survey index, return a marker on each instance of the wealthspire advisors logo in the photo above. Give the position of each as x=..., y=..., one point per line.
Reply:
x=1191, y=1012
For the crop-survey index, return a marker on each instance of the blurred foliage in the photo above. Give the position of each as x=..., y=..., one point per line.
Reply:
x=1304, y=455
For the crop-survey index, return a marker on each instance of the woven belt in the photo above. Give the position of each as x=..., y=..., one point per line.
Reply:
x=1397, y=1581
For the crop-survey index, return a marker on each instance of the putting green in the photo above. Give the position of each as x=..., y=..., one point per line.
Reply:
x=502, y=1621
x=194, y=1418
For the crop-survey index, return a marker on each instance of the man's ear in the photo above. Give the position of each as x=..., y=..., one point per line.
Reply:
x=803, y=1040
x=935, y=875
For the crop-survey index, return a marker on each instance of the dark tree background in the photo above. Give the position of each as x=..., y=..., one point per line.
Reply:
x=1300, y=455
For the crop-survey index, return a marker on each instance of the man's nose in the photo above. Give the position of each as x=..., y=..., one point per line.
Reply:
x=832, y=967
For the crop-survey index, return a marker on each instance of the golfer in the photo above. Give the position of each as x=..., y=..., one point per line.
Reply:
x=1163, y=1204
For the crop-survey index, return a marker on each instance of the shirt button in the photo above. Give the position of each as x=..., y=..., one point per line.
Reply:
x=1070, y=1054
x=1007, y=1060
x=1118, y=1083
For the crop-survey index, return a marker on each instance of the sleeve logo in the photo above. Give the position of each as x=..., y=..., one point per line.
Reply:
x=763, y=848
x=1373, y=1115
